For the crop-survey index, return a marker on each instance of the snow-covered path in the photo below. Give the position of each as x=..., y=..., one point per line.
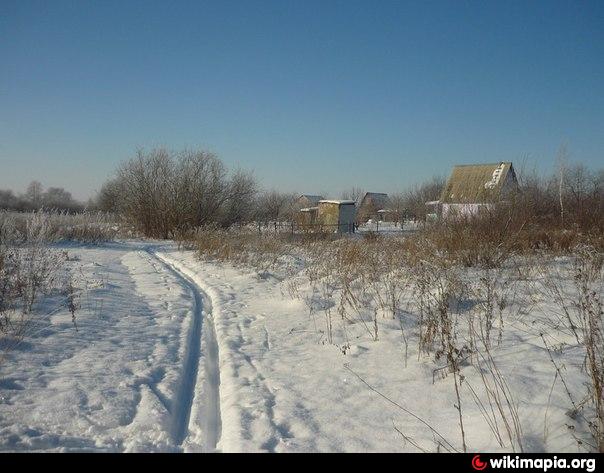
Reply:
x=141, y=372
x=176, y=354
x=172, y=354
x=202, y=329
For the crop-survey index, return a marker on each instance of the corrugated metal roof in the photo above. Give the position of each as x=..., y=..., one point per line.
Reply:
x=477, y=183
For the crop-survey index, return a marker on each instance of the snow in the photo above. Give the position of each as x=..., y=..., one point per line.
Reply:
x=463, y=210
x=177, y=354
x=386, y=228
x=337, y=201
x=496, y=177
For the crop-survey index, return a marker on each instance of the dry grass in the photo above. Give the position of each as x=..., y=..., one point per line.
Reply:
x=32, y=267
x=237, y=246
x=29, y=269
x=449, y=287
x=86, y=227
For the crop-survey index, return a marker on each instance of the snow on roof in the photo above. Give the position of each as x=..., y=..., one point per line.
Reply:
x=309, y=209
x=477, y=183
x=312, y=198
x=339, y=202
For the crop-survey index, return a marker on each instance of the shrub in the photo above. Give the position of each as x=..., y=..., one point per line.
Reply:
x=28, y=269
x=166, y=194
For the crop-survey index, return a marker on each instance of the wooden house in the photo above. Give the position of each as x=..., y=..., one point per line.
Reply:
x=373, y=206
x=472, y=187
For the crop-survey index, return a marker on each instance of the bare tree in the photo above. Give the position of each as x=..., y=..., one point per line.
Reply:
x=35, y=198
x=416, y=197
x=562, y=159
x=239, y=205
x=354, y=193
x=397, y=204
x=8, y=200
x=34, y=194
x=108, y=198
x=145, y=197
x=59, y=199
x=166, y=193
x=273, y=205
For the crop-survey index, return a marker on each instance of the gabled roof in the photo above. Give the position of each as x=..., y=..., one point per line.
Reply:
x=378, y=199
x=314, y=199
x=478, y=183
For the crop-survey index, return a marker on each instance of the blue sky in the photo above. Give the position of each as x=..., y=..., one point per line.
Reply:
x=312, y=96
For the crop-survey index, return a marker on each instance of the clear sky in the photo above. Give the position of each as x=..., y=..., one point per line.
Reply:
x=313, y=96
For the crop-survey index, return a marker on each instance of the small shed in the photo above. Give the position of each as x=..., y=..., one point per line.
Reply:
x=337, y=215
x=472, y=187
x=373, y=206
x=307, y=217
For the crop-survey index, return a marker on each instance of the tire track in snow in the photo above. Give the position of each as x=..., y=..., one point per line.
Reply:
x=202, y=328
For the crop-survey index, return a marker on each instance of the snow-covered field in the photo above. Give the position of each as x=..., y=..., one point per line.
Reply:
x=176, y=354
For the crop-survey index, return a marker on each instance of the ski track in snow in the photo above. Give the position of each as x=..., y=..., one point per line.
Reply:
x=202, y=329
x=177, y=354
x=251, y=424
x=142, y=374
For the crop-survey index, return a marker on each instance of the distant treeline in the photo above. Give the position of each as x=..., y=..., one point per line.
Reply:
x=38, y=198
x=165, y=193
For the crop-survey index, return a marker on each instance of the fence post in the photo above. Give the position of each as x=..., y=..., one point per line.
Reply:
x=377, y=226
